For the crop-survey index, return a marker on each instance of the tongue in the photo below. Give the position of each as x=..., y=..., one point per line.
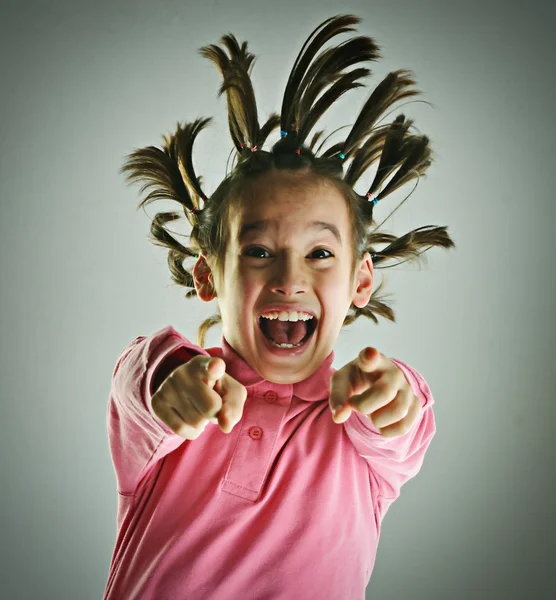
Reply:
x=286, y=332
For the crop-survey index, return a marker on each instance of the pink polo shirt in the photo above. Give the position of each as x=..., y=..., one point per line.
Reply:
x=288, y=505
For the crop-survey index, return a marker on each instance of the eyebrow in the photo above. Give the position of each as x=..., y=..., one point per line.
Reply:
x=258, y=226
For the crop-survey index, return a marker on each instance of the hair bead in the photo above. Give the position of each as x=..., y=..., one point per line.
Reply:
x=283, y=133
x=342, y=156
x=373, y=200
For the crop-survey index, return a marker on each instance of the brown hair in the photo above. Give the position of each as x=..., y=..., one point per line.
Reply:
x=170, y=169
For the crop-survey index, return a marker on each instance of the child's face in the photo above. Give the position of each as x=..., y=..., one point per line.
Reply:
x=287, y=266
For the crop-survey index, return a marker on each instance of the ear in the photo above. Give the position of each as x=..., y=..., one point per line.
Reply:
x=363, y=282
x=204, y=280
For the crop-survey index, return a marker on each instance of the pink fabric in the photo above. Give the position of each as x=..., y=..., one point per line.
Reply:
x=288, y=505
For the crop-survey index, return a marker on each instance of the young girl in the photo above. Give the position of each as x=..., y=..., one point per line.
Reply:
x=237, y=479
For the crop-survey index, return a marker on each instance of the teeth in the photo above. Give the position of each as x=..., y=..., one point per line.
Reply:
x=284, y=316
x=287, y=316
x=285, y=345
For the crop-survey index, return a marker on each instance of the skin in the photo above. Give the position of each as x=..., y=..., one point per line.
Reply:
x=288, y=265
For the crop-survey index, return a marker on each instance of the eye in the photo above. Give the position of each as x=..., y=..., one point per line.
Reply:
x=259, y=249
x=324, y=250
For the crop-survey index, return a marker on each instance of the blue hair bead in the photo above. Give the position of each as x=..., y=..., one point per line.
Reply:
x=375, y=200
x=342, y=156
x=283, y=133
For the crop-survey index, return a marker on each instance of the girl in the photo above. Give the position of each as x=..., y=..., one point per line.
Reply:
x=278, y=501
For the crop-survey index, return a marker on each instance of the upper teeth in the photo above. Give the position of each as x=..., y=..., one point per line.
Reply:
x=288, y=316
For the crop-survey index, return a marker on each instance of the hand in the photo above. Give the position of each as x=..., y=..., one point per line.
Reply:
x=373, y=385
x=196, y=393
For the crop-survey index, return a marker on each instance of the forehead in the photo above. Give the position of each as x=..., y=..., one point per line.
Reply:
x=285, y=200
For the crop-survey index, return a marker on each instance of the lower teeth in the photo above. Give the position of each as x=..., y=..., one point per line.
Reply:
x=286, y=345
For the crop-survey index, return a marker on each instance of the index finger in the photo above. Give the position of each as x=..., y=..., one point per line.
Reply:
x=348, y=382
x=234, y=395
x=210, y=369
x=368, y=359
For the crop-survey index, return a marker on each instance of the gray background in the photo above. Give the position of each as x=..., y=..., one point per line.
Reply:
x=83, y=84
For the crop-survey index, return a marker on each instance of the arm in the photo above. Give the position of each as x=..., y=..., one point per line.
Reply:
x=137, y=438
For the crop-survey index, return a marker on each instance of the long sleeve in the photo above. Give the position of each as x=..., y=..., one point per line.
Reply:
x=137, y=437
x=393, y=461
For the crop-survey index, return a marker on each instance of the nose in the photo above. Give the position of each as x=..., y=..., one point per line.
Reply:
x=289, y=276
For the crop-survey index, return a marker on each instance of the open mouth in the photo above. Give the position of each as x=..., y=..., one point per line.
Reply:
x=311, y=328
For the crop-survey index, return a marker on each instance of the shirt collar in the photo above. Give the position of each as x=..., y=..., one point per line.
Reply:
x=316, y=387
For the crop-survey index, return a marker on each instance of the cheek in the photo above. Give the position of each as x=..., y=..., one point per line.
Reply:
x=245, y=291
x=336, y=298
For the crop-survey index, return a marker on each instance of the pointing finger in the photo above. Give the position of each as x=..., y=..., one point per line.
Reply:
x=368, y=359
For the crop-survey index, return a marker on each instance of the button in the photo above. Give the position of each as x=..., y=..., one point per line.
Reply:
x=270, y=396
x=255, y=433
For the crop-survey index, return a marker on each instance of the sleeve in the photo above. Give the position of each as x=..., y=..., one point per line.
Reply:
x=393, y=461
x=136, y=436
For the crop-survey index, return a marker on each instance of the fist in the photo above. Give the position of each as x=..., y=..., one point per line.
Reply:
x=197, y=392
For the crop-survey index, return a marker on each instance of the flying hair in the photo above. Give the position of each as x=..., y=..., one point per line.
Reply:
x=317, y=80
